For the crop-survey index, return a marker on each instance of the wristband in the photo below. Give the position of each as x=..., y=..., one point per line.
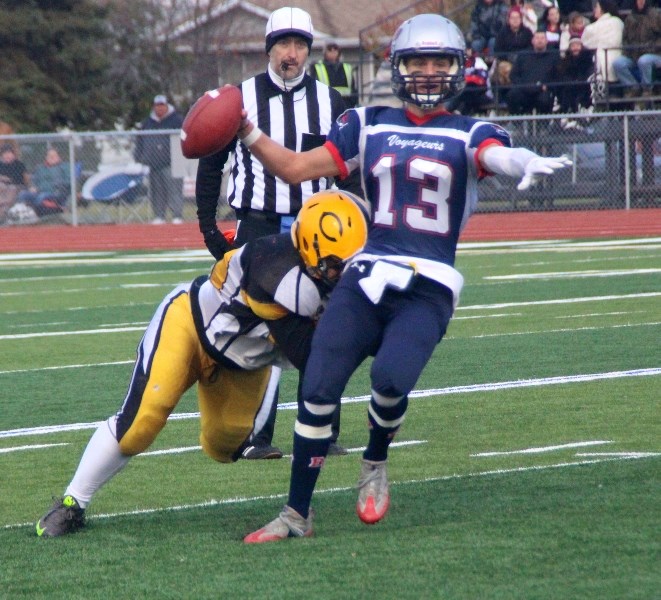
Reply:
x=252, y=137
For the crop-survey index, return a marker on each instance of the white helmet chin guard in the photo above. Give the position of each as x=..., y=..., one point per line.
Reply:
x=434, y=35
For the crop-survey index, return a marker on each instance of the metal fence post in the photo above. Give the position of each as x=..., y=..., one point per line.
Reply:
x=627, y=164
x=73, y=181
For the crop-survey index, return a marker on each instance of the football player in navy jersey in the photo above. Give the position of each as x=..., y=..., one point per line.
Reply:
x=420, y=168
x=257, y=308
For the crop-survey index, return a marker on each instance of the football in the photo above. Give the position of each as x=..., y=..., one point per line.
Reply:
x=212, y=122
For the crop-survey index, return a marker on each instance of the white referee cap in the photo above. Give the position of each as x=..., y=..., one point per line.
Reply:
x=288, y=21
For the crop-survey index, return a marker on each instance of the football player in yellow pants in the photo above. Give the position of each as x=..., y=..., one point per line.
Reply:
x=256, y=310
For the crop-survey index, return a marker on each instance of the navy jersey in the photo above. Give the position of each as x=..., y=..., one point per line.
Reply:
x=420, y=176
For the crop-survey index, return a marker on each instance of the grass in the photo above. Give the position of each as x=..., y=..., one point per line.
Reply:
x=559, y=342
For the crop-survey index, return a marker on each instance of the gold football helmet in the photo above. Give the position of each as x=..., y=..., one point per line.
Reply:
x=330, y=228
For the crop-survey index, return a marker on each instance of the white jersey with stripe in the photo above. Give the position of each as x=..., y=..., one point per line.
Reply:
x=261, y=281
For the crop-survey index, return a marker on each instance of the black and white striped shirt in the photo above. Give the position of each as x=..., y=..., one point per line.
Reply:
x=299, y=119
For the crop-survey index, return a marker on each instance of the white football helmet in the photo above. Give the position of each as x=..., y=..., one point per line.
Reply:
x=427, y=34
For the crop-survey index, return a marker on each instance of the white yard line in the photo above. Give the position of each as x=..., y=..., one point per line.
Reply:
x=42, y=334
x=621, y=454
x=572, y=274
x=184, y=449
x=483, y=307
x=543, y=449
x=88, y=276
x=461, y=389
x=565, y=330
x=561, y=301
x=31, y=447
x=79, y=366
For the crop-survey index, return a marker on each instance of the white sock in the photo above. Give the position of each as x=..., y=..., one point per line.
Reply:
x=101, y=460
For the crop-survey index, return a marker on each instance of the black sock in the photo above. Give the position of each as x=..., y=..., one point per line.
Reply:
x=309, y=457
x=380, y=437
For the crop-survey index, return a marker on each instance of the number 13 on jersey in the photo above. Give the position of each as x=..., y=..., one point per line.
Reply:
x=433, y=181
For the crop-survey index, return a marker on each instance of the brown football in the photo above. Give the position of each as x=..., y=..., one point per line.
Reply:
x=212, y=122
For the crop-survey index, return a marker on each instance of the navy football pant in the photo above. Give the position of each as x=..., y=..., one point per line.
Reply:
x=401, y=333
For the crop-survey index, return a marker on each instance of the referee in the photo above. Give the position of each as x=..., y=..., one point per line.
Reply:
x=297, y=111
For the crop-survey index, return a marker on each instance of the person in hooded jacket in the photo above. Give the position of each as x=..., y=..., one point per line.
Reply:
x=154, y=151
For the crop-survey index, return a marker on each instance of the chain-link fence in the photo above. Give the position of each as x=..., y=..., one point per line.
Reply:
x=616, y=156
x=104, y=185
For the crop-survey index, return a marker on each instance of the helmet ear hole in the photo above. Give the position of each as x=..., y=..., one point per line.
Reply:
x=330, y=225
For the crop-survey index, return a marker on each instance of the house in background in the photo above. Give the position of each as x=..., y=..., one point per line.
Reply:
x=226, y=41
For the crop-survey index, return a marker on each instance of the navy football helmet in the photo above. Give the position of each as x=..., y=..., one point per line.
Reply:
x=427, y=34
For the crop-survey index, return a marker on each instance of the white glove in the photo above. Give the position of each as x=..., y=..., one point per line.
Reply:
x=540, y=166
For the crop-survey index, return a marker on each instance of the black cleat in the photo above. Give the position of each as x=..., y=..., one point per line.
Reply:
x=65, y=516
x=336, y=450
x=261, y=452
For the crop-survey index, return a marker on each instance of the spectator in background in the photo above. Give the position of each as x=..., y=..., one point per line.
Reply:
x=513, y=38
x=154, y=151
x=12, y=170
x=540, y=7
x=13, y=177
x=7, y=129
x=477, y=93
x=551, y=26
x=605, y=36
x=51, y=185
x=527, y=13
x=574, y=91
x=487, y=19
x=336, y=74
x=573, y=29
x=641, y=41
x=532, y=76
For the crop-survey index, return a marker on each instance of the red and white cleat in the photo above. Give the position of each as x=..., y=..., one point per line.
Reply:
x=287, y=524
x=373, y=494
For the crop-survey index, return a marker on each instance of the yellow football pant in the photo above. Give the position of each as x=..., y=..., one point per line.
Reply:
x=170, y=360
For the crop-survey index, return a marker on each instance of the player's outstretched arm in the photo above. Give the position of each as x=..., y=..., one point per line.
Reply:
x=292, y=167
x=520, y=162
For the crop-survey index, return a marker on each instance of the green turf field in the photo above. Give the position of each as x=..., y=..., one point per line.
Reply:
x=528, y=465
